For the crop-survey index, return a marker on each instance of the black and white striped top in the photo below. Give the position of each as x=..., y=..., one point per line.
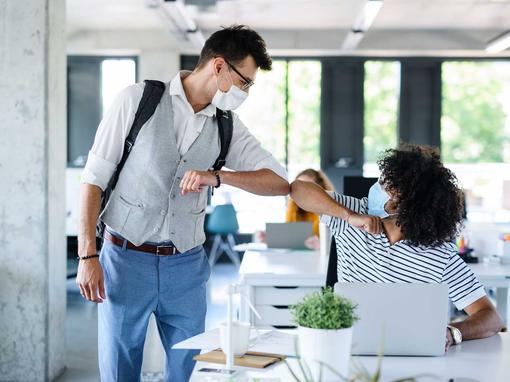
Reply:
x=363, y=257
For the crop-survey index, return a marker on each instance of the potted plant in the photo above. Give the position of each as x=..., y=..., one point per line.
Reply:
x=325, y=322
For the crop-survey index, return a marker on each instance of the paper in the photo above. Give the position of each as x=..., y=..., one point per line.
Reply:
x=264, y=341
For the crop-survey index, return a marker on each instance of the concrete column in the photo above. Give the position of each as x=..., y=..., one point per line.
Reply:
x=32, y=195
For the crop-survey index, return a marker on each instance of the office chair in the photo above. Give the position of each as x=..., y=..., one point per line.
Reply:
x=358, y=187
x=332, y=274
x=223, y=223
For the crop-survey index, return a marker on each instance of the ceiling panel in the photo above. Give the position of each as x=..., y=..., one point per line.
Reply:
x=452, y=24
x=110, y=14
x=298, y=14
x=444, y=14
x=281, y=14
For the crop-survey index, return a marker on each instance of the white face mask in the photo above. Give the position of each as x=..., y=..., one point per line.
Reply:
x=231, y=99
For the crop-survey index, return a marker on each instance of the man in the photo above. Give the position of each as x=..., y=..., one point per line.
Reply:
x=403, y=232
x=152, y=260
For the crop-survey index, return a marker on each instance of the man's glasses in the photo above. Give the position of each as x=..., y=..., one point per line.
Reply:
x=247, y=82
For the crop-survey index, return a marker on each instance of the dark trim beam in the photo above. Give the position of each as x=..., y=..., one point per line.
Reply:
x=342, y=114
x=420, y=102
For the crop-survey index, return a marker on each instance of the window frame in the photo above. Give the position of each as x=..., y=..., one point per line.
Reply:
x=97, y=106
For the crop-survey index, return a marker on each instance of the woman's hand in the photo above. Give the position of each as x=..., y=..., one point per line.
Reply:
x=368, y=223
x=449, y=340
x=313, y=243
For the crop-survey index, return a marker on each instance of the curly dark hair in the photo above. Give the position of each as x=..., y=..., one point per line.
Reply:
x=235, y=43
x=428, y=198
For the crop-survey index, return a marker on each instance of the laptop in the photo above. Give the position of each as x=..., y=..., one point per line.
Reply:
x=398, y=319
x=288, y=235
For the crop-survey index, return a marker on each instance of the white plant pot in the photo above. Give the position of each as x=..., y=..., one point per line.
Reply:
x=331, y=347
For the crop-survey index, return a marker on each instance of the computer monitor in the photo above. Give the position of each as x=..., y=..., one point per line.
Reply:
x=357, y=186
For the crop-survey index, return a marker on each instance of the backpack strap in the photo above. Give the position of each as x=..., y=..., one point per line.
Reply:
x=152, y=93
x=225, y=128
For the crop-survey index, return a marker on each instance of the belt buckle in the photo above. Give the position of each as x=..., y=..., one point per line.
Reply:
x=164, y=246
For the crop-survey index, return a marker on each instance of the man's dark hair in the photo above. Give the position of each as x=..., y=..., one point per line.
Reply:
x=235, y=43
x=429, y=199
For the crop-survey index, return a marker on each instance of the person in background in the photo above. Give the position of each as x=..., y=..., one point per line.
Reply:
x=403, y=233
x=297, y=214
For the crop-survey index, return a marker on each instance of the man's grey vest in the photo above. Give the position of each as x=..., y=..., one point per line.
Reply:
x=147, y=204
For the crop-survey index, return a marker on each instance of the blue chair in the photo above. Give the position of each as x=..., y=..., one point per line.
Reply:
x=223, y=223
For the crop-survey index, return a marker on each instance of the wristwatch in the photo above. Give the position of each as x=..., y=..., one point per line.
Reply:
x=456, y=334
x=218, y=179
x=216, y=173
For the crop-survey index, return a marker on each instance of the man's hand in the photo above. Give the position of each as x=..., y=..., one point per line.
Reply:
x=449, y=340
x=90, y=280
x=368, y=223
x=193, y=181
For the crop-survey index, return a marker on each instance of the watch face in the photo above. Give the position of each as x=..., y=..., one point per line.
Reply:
x=456, y=334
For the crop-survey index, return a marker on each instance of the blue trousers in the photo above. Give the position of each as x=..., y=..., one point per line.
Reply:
x=138, y=284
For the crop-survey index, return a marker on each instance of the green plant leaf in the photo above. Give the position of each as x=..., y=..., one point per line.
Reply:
x=324, y=310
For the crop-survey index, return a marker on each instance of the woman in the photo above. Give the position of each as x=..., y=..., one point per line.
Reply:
x=403, y=232
x=297, y=214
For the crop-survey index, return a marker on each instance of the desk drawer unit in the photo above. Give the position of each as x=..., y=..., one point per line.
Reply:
x=276, y=316
x=273, y=304
x=281, y=295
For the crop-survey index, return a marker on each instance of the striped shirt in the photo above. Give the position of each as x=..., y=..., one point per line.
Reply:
x=363, y=257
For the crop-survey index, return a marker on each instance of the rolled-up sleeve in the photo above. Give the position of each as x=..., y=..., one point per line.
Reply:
x=336, y=225
x=97, y=171
x=463, y=285
x=106, y=151
x=246, y=154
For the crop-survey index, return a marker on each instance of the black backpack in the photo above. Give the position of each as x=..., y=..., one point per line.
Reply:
x=152, y=93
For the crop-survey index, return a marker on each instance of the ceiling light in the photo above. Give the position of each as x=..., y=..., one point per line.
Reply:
x=352, y=40
x=499, y=44
x=362, y=24
x=367, y=16
x=174, y=12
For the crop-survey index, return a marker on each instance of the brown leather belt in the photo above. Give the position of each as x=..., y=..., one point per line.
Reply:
x=167, y=250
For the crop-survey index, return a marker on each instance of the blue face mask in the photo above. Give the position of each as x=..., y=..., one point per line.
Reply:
x=377, y=199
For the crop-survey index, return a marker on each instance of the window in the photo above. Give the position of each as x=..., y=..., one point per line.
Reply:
x=264, y=110
x=283, y=113
x=116, y=74
x=381, y=96
x=475, y=134
x=304, y=102
x=93, y=82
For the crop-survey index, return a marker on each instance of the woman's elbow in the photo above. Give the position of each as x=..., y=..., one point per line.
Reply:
x=296, y=188
x=499, y=325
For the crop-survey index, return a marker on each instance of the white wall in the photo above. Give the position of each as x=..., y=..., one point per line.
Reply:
x=158, y=64
x=158, y=54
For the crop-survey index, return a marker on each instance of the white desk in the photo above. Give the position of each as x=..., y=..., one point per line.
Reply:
x=497, y=276
x=484, y=360
x=275, y=279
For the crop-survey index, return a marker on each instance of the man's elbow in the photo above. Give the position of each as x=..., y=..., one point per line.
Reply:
x=283, y=188
x=277, y=185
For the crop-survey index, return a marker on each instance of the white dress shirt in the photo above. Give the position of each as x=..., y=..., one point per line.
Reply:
x=245, y=152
